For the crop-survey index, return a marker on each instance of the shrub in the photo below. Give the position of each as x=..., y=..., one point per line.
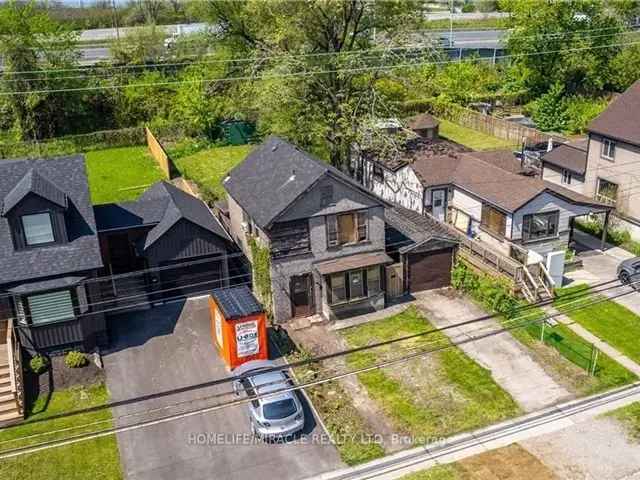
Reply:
x=492, y=293
x=38, y=364
x=615, y=236
x=75, y=359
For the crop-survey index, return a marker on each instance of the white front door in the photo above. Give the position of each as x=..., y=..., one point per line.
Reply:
x=439, y=204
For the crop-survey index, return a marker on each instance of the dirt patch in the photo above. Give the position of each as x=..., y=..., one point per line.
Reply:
x=508, y=463
x=317, y=340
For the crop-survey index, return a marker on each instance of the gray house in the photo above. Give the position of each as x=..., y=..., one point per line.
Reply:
x=48, y=249
x=325, y=233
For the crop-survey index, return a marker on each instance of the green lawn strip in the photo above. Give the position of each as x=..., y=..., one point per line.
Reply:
x=449, y=471
x=209, y=167
x=480, y=401
x=573, y=348
x=608, y=320
x=472, y=138
x=95, y=459
x=342, y=419
x=116, y=173
x=629, y=416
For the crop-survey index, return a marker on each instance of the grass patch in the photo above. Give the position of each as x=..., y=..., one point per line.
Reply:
x=459, y=395
x=209, y=167
x=97, y=459
x=471, y=138
x=449, y=471
x=608, y=320
x=340, y=416
x=114, y=172
x=629, y=416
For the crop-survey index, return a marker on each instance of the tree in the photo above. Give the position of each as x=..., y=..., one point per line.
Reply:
x=568, y=41
x=315, y=81
x=35, y=49
x=626, y=66
x=550, y=110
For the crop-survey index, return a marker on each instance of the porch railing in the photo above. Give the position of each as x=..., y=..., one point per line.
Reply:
x=14, y=356
x=476, y=250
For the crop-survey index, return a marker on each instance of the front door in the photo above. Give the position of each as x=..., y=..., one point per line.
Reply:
x=301, y=295
x=439, y=204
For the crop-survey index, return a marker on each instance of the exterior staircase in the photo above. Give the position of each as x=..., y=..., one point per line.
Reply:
x=10, y=409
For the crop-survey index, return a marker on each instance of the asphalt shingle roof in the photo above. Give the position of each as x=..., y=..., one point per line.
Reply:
x=620, y=119
x=273, y=176
x=162, y=205
x=52, y=179
x=416, y=227
x=572, y=156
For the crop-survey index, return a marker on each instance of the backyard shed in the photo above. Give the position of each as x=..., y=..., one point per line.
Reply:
x=238, y=326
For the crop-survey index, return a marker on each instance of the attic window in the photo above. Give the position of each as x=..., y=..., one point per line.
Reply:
x=37, y=228
x=326, y=195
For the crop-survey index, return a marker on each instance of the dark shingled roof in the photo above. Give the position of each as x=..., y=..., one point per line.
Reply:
x=32, y=182
x=236, y=302
x=572, y=156
x=274, y=175
x=413, y=149
x=620, y=119
x=416, y=227
x=53, y=179
x=161, y=205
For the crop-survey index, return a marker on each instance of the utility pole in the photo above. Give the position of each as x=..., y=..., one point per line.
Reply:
x=115, y=20
x=450, y=23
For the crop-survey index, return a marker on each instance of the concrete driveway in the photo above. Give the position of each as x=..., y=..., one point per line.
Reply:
x=511, y=365
x=169, y=347
x=600, y=266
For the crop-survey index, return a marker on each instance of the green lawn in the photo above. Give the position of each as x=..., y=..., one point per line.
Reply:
x=472, y=138
x=96, y=459
x=608, y=320
x=629, y=416
x=120, y=174
x=209, y=167
x=444, y=393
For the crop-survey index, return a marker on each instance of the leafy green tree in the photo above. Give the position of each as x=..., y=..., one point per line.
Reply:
x=32, y=45
x=550, y=110
x=467, y=81
x=569, y=42
x=626, y=66
x=312, y=82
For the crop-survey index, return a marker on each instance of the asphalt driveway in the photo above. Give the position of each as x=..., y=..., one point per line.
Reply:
x=169, y=347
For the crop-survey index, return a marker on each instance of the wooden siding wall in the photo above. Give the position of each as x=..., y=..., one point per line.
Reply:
x=290, y=238
x=185, y=240
x=158, y=153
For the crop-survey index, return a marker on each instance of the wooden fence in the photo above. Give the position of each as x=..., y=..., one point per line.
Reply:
x=497, y=127
x=158, y=153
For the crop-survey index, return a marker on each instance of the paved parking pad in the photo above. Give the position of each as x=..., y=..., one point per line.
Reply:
x=169, y=347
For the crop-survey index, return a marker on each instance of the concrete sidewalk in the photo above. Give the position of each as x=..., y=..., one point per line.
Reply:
x=549, y=420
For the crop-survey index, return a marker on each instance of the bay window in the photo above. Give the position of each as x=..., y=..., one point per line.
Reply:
x=540, y=225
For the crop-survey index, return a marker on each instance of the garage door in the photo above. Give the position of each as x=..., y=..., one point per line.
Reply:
x=430, y=270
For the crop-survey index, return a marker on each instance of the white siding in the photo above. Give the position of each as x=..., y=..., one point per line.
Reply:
x=547, y=202
x=554, y=175
x=401, y=187
x=467, y=203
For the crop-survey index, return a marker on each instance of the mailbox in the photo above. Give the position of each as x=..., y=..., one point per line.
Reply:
x=238, y=326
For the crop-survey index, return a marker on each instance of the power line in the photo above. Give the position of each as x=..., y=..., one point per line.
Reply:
x=572, y=297
x=305, y=73
x=110, y=431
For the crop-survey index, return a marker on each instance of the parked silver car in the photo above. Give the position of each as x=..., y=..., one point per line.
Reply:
x=277, y=415
x=629, y=272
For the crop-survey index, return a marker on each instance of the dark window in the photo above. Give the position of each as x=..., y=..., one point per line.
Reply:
x=378, y=173
x=607, y=191
x=326, y=196
x=290, y=238
x=279, y=409
x=493, y=220
x=566, y=177
x=354, y=285
x=347, y=228
x=37, y=228
x=540, y=225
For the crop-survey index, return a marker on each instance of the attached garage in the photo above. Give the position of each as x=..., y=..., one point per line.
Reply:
x=423, y=246
x=429, y=270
